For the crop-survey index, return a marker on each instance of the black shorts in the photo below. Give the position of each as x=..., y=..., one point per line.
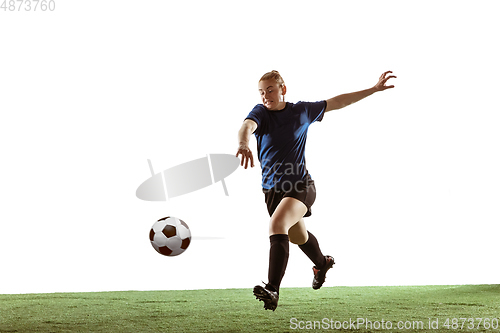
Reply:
x=303, y=190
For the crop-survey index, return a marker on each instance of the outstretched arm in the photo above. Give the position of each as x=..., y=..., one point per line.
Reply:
x=340, y=101
x=247, y=128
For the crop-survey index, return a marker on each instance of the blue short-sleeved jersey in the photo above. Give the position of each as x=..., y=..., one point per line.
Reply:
x=281, y=140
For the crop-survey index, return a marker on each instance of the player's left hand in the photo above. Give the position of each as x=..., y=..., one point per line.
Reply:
x=380, y=86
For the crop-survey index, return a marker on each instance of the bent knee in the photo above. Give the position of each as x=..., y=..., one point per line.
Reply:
x=278, y=226
x=298, y=239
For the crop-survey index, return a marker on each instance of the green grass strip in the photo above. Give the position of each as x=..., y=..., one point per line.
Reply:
x=236, y=310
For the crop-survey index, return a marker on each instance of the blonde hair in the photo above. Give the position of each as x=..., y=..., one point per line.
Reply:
x=273, y=75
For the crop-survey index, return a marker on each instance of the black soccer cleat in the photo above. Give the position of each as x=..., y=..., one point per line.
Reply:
x=269, y=297
x=320, y=274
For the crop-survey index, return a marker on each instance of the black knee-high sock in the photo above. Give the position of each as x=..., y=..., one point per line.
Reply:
x=312, y=250
x=278, y=259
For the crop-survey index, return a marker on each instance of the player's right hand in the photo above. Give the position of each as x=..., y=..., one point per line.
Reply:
x=246, y=155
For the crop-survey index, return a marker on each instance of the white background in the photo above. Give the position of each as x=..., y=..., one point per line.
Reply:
x=407, y=179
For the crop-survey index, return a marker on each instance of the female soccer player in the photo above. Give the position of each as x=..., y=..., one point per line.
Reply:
x=281, y=130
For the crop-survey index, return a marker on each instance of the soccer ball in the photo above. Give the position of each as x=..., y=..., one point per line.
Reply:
x=170, y=236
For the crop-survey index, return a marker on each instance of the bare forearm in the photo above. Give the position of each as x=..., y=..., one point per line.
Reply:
x=341, y=101
x=244, y=135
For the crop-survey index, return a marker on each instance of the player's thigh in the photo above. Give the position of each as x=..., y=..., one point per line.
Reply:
x=298, y=233
x=288, y=212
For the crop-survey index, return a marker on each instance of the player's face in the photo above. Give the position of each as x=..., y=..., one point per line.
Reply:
x=271, y=94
